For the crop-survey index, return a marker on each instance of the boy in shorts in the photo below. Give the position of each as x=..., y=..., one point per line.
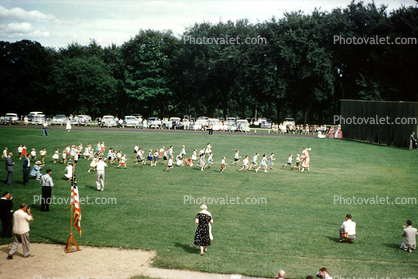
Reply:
x=289, y=162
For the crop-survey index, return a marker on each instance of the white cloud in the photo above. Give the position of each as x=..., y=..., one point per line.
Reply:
x=18, y=14
x=23, y=27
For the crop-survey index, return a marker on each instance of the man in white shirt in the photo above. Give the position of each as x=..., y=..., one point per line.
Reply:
x=349, y=227
x=409, y=233
x=21, y=231
x=100, y=175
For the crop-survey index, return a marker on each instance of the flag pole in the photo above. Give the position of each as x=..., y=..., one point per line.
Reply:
x=69, y=248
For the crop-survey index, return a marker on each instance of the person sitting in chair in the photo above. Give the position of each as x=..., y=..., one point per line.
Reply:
x=348, y=229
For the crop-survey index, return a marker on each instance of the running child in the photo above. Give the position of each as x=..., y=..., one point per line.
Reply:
x=93, y=163
x=210, y=160
x=122, y=161
x=149, y=158
x=24, y=152
x=245, y=164
x=19, y=150
x=223, y=164
x=270, y=161
x=165, y=154
x=140, y=157
x=136, y=148
x=263, y=164
x=289, y=162
x=236, y=158
x=170, y=163
x=161, y=152
x=194, y=155
x=119, y=156
x=43, y=153
x=33, y=154
x=56, y=155
x=155, y=158
x=298, y=161
x=254, y=161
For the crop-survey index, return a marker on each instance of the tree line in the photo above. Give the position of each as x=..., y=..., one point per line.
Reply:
x=303, y=66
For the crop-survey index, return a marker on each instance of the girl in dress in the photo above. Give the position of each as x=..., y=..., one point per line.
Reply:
x=98, y=147
x=86, y=153
x=56, y=155
x=102, y=148
x=160, y=153
x=93, y=163
x=203, y=235
x=194, y=156
x=68, y=126
x=64, y=157
x=43, y=153
x=202, y=160
x=263, y=164
x=183, y=150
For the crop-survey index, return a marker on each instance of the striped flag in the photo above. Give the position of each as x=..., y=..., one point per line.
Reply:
x=75, y=200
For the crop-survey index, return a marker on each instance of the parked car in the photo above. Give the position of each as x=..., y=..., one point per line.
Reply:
x=59, y=119
x=215, y=123
x=266, y=123
x=130, y=121
x=38, y=119
x=186, y=123
x=109, y=121
x=33, y=113
x=12, y=118
x=152, y=122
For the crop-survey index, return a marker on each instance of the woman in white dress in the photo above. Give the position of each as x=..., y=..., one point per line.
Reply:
x=68, y=126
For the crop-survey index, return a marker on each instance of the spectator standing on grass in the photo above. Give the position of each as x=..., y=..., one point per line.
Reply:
x=9, y=168
x=21, y=231
x=281, y=274
x=348, y=227
x=409, y=233
x=203, y=235
x=45, y=128
x=68, y=125
x=26, y=169
x=412, y=141
x=47, y=184
x=305, y=159
x=100, y=175
x=6, y=215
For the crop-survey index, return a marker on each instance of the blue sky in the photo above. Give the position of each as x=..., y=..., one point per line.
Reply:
x=59, y=23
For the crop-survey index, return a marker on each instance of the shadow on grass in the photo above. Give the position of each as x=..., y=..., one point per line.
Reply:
x=187, y=248
x=393, y=246
x=334, y=239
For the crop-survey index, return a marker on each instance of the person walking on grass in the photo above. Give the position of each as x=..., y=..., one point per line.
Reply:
x=21, y=217
x=100, y=174
x=203, y=235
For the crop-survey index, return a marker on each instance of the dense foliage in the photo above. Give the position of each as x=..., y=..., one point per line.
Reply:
x=300, y=68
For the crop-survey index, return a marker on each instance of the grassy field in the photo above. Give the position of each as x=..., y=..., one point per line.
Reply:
x=297, y=230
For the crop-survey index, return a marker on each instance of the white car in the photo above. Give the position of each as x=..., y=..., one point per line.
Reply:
x=243, y=125
x=130, y=121
x=109, y=121
x=59, y=119
x=12, y=118
x=38, y=119
x=215, y=124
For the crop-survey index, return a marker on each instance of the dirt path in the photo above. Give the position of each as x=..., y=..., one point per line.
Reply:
x=50, y=261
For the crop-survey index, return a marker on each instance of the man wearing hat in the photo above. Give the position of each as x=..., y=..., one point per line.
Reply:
x=47, y=184
x=36, y=170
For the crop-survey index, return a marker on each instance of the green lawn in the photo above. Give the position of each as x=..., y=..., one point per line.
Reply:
x=297, y=230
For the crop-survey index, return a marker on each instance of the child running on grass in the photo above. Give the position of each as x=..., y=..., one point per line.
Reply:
x=165, y=156
x=223, y=164
x=140, y=158
x=149, y=158
x=122, y=161
x=155, y=158
x=245, y=162
x=56, y=155
x=289, y=162
x=93, y=163
x=33, y=154
x=19, y=151
x=210, y=161
x=263, y=164
x=236, y=158
x=136, y=148
x=254, y=161
x=298, y=161
x=170, y=163
x=270, y=161
x=194, y=156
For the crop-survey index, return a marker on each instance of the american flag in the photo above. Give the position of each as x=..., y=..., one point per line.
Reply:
x=75, y=200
